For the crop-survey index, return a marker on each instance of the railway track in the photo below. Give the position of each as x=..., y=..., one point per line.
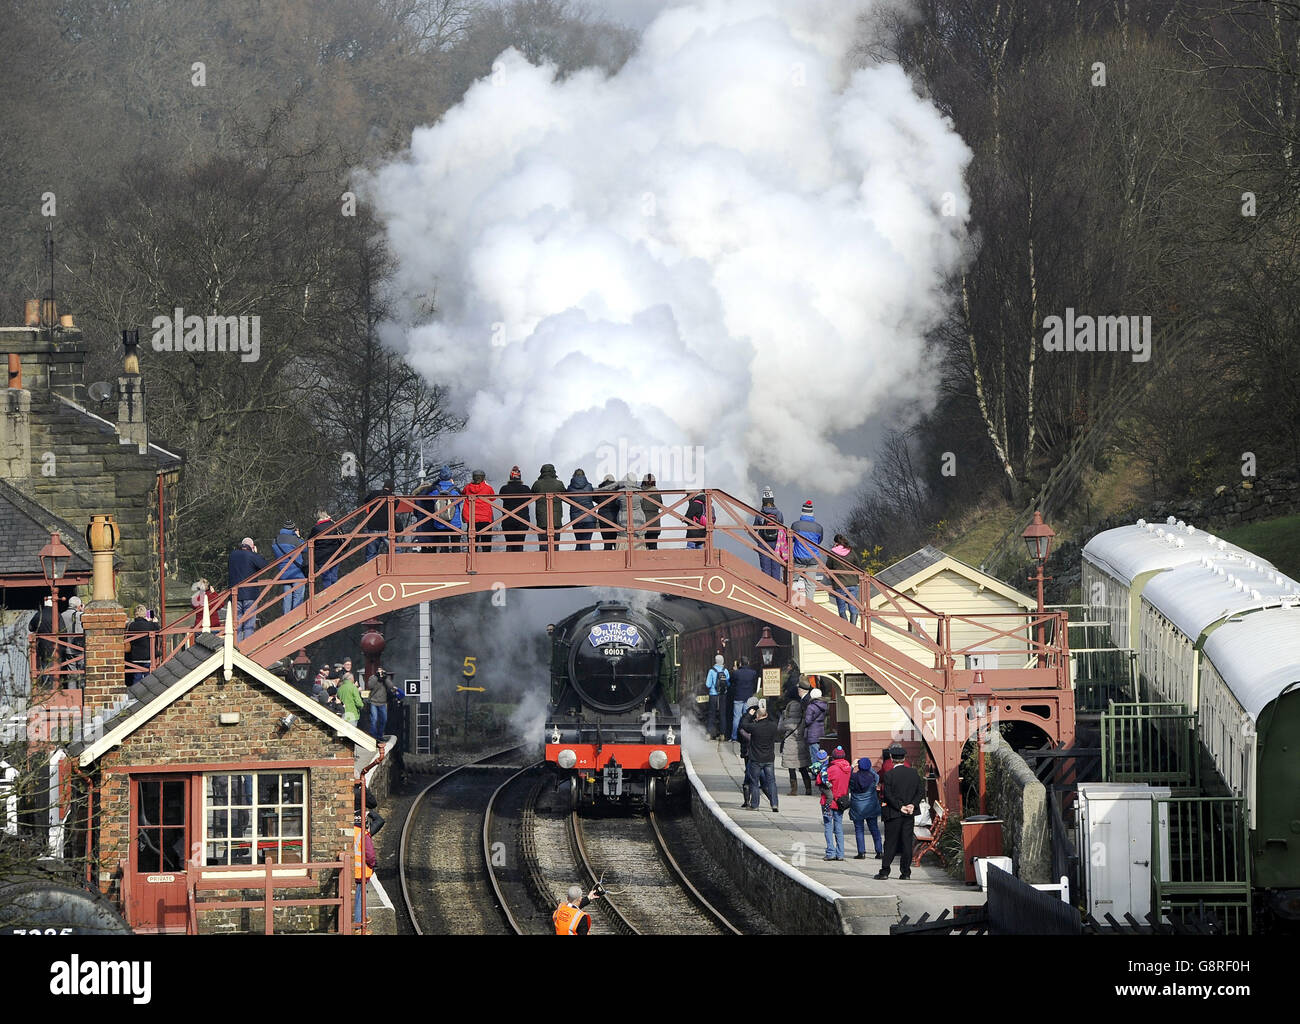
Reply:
x=647, y=890
x=441, y=856
x=483, y=854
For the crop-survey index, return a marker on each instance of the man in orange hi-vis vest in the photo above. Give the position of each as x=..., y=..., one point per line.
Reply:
x=570, y=918
x=363, y=865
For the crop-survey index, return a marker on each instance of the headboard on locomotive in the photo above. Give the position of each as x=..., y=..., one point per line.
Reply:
x=687, y=634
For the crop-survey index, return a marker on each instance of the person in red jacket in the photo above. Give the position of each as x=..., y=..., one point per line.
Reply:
x=478, y=508
x=835, y=801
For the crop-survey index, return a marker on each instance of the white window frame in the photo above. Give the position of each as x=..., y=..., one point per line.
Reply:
x=279, y=870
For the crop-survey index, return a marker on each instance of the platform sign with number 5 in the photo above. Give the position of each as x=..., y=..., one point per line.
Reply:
x=470, y=667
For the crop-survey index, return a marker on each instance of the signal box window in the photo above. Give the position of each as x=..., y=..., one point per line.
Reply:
x=160, y=825
x=255, y=818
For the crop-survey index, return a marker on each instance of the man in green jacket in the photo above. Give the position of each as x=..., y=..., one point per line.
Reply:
x=549, y=511
x=351, y=698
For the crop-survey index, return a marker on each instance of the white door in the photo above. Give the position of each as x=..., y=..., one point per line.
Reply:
x=1107, y=858
x=1138, y=819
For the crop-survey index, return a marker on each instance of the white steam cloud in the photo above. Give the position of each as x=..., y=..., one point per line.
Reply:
x=734, y=242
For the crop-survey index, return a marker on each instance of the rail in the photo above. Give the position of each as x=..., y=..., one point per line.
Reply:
x=616, y=917
x=1205, y=862
x=695, y=895
x=404, y=842
x=1150, y=742
x=495, y=882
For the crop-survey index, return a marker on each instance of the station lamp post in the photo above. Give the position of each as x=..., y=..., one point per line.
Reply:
x=1038, y=539
x=771, y=673
x=54, y=563
x=980, y=695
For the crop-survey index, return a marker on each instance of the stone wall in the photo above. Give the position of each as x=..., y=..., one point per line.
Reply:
x=1229, y=504
x=91, y=471
x=789, y=899
x=1017, y=797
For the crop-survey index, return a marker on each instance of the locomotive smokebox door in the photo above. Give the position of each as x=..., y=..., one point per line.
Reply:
x=612, y=773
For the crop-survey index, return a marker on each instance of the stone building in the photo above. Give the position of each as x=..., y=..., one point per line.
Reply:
x=69, y=447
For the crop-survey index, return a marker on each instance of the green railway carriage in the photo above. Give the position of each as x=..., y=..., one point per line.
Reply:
x=1217, y=630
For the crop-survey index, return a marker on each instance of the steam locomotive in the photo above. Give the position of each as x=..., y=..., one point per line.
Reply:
x=614, y=729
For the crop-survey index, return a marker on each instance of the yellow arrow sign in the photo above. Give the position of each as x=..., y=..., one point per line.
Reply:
x=471, y=689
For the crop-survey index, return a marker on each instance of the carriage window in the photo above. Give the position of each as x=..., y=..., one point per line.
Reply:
x=255, y=817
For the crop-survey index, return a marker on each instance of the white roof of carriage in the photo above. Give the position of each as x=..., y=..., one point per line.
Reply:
x=1258, y=655
x=1194, y=597
x=1127, y=552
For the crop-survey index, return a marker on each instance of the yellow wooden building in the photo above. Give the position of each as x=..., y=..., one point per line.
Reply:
x=862, y=713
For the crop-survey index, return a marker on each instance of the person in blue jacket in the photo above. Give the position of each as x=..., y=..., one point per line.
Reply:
x=806, y=534
x=442, y=512
x=583, y=525
x=285, y=542
x=864, y=806
x=717, y=682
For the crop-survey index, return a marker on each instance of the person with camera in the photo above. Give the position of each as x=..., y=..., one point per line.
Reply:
x=571, y=917
x=901, y=796
x=141, y=654
x=760, y=772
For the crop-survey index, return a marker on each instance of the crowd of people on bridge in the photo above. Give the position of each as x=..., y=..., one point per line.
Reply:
x=607, y=516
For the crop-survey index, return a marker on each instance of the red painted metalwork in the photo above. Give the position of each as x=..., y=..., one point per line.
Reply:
x=424, y=563
x=154, y=898
x=262, y=876
x=628, y=755
x=162, y=555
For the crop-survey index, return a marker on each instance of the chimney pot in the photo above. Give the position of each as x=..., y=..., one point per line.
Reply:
x=32, y=313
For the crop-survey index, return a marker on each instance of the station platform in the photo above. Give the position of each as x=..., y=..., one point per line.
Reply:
x=794, y=837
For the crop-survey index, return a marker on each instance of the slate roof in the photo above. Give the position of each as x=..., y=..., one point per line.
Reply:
x=906, y=568
x=25, y=528
x=156, y=688
x=165, y=458
x=157, y=683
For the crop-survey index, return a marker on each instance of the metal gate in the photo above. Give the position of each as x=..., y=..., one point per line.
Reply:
x=1152, y=743
x=1209, y=862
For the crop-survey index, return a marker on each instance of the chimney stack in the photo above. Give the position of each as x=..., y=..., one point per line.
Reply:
x=104, y=622
x=130, y=395
x=15, y=425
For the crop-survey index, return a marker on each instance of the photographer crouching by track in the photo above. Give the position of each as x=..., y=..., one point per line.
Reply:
x=571, y=917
